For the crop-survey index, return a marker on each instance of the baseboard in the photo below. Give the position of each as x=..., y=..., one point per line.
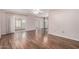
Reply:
x=72, y=38
x=6, y=34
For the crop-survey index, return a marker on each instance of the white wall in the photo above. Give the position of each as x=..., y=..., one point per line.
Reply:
x=12, y=24
x=39, y=22
x=0, y=27
x=64, y=23
x=5, y=18
x=8, y=22
x=31, y=22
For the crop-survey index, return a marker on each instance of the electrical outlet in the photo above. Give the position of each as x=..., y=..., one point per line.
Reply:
x=62, y=31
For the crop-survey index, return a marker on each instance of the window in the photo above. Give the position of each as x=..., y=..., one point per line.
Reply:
x=20, y=24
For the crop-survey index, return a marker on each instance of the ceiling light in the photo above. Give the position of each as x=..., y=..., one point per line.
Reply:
x=36, y=11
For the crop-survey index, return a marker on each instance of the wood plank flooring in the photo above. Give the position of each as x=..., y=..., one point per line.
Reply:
x=36, y=40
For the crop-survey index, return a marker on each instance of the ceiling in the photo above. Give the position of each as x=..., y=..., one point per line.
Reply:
x=43, y=13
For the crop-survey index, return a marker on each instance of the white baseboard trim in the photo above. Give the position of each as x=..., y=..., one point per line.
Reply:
x=72, y=38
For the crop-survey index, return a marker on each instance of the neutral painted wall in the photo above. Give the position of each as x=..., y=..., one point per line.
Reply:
x=31, y=22
x=5, y=24
x=0, y=27
x=8, y=22
x=64, y=23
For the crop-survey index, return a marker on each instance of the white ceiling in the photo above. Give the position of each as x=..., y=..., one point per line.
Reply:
x=44, y=12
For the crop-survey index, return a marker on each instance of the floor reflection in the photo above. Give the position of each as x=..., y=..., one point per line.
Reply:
x=24, y=39
x=35, y=40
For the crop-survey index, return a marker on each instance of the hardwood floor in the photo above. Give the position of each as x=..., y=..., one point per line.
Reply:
x=36, y=40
